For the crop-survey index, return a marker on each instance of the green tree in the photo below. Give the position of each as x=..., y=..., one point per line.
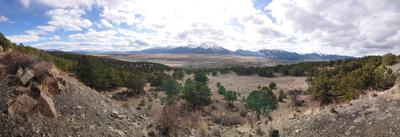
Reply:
x=264, y=72
x=319, y=88
x=85, y=71
x=172, y=89
x=135, y=84
x=200, y=77
x=219, y=84
x=297, y=70
x=389, y=59
x=230, y=96
x=272, y=85
x=178, y=74
x=214, y=73
x=196, y=93
x=221, y=90
x=5, y=43
x=262, y=102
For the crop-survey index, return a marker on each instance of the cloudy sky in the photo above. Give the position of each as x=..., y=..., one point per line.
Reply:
x=347, y=27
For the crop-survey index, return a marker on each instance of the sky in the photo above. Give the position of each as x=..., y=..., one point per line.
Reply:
x=345, y=27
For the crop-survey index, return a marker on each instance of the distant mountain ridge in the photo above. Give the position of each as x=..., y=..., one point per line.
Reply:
x=275, y=54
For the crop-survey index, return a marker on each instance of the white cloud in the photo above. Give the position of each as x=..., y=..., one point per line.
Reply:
x=230, y=23
x=106, y=24
x=68, y=19
x=352, y=27
x=47, y=28
x=355, y=27
x=24, y=38
x=55, y=38
x=25, y=3
x=68, y=4
x=3, y=19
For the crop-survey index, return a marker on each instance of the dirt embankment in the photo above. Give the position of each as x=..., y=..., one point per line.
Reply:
x=376, y=114
x=74, y=110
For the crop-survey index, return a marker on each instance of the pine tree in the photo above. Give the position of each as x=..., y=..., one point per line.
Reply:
x=262, y=102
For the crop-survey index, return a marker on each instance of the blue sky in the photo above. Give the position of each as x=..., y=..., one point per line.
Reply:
x=349, y=27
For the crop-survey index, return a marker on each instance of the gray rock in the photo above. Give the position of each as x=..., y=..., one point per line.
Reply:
x=46, y=105
x=27, y=76
x=19, y=72
x=22, y=105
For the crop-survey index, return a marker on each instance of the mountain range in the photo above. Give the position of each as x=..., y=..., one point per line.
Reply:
x=275, y=54
x=267, y=53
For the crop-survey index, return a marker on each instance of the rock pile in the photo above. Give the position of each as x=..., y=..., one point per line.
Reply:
x=33, y=96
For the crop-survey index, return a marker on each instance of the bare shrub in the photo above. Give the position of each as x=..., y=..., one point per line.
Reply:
x=16, y=60
x=229, y=120
x=42, y=68
x=203, y=128
x=168, y=121
x=294, y=98
x=188, y=118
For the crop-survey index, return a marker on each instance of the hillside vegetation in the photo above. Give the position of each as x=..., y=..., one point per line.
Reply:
x=97, y=72
x=184, y=102
x=331, y=81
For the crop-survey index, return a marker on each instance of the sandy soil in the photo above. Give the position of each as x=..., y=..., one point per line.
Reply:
x=246, y=84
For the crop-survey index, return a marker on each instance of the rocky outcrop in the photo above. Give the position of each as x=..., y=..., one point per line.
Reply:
x=58, y=105
x=35, y=97
x=22, y=105
x=26, y=76
x=46, y=105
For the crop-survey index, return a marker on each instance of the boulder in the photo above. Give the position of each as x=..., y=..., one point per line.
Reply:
x=50, y=85
x=27, y=76
x=22, y=105
x=19, y=72
x=46, y=105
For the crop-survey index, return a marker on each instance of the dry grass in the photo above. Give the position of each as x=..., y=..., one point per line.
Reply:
x=203, y=128
x=169, y=120
x=229, y=119
x=246, y=84
x=42, y=68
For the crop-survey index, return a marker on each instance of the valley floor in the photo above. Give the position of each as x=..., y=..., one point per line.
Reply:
x=200, y=60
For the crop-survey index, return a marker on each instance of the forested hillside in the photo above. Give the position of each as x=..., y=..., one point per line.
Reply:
x=97, y=72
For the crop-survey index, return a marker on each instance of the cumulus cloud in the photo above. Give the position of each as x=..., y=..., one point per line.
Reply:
x=68, y=4
x=351, y=27
x=68, y=19
x=358, y=27
x=24, y=38
x=3, y=19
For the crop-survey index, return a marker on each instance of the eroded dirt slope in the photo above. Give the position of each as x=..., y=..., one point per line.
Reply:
x=80, y=111
x=373, y=115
